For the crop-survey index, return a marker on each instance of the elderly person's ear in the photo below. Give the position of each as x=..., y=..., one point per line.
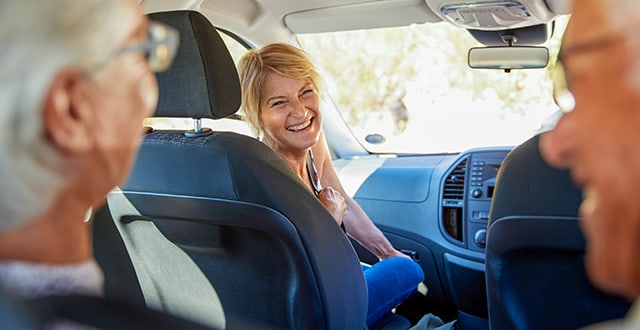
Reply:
x=68, y=111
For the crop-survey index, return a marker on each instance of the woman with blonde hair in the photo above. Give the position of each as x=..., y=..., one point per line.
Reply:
x=280, y=98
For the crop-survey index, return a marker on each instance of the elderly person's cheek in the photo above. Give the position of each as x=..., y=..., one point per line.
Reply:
x=556, y=145
x=611, y=244
x=597, y=248
x=148, y=94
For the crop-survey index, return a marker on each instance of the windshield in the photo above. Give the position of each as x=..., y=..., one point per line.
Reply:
x=412, y=86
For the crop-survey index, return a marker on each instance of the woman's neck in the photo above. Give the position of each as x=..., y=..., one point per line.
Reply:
x=297, y=165
x=297, y=162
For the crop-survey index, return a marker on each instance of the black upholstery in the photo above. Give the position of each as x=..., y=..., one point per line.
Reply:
x=235, y=210
x=202, y=82
x=61, y=312
x=534, y=257
x=100, y=313
x=17, y=314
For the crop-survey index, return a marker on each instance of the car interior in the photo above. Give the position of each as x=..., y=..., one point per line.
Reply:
x=535, y=250
x=256, y=235
x=213, y=227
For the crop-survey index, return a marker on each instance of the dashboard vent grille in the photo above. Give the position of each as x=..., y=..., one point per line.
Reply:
x=454, y=183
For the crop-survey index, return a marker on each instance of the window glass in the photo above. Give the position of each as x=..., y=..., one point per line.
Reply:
x=413, y=86
x=236, y=49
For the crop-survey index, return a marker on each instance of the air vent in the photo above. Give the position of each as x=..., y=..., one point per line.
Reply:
x=454, y=184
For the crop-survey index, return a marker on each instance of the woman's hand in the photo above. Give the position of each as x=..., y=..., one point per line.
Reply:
x=395, y=253
x=334, y=202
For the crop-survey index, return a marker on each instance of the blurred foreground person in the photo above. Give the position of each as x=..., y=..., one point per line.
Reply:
x=76, y=81
x=597, y=139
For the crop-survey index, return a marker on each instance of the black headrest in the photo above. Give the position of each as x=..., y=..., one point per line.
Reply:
x=527, y=185
x=202, y=82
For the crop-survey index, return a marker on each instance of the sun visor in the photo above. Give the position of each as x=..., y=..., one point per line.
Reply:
x=361, y=16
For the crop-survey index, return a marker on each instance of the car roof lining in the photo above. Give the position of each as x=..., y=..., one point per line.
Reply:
x=251, y=20
x=361, y=16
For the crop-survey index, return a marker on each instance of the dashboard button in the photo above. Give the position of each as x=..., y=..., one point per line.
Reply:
x=480, y=238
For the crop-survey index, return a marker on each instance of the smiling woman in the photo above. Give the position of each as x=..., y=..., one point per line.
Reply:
x=291, y=118
x=281, y=101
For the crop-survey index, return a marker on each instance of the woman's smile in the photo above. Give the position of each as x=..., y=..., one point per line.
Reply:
x=299, y=127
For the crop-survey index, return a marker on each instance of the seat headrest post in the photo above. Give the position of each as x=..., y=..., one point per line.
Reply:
x=198, y=130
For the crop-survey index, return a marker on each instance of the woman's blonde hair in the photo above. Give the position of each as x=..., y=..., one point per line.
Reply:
x=280, y=58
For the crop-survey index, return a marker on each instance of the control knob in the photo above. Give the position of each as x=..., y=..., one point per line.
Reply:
x=480, y=238
x=476, y=193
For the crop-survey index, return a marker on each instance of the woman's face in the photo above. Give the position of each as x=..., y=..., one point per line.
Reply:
x=289, y=115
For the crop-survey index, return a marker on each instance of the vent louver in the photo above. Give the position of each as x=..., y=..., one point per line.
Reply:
x=454, y=184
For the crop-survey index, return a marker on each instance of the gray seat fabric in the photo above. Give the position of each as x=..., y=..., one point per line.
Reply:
x=257, y=236
x=535, y=272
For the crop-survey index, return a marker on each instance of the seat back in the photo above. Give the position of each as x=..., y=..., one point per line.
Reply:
x=15, y=313
x=535, y=272
x=216, y=212
x=73, y=311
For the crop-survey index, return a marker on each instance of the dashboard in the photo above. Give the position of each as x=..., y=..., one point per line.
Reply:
x=466, y=197
x=434, y=208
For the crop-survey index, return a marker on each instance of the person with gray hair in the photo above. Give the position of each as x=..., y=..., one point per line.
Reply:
x=597, y=139
x=76, y=81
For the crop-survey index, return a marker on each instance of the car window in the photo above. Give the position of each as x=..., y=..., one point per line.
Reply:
x=412, y=85
x=236, y=48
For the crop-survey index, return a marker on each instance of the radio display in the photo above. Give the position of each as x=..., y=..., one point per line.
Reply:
x=490, y=191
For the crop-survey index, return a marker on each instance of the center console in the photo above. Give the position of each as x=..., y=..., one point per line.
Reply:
x=467, y=190
x=466, y=199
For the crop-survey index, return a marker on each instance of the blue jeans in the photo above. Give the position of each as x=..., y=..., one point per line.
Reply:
x=390, y=282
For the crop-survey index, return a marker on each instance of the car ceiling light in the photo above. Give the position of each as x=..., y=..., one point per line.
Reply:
x=489, y=15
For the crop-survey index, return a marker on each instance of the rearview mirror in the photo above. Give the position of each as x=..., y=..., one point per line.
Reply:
x=508, y=57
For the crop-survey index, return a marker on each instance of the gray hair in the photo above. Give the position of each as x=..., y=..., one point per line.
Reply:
x=40, y=38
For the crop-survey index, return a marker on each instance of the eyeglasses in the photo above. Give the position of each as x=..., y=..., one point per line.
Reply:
x=159, y=49
x=562, y=95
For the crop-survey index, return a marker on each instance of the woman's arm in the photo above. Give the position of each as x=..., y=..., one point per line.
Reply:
x=334, y=202
x=358, y=225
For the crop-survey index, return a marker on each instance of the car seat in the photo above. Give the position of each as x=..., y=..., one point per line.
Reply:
x=535, y=272
x=84, y=312
x=17, y=314
x=217, y=218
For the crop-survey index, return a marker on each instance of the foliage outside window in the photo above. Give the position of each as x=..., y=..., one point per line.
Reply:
x=412, y=85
